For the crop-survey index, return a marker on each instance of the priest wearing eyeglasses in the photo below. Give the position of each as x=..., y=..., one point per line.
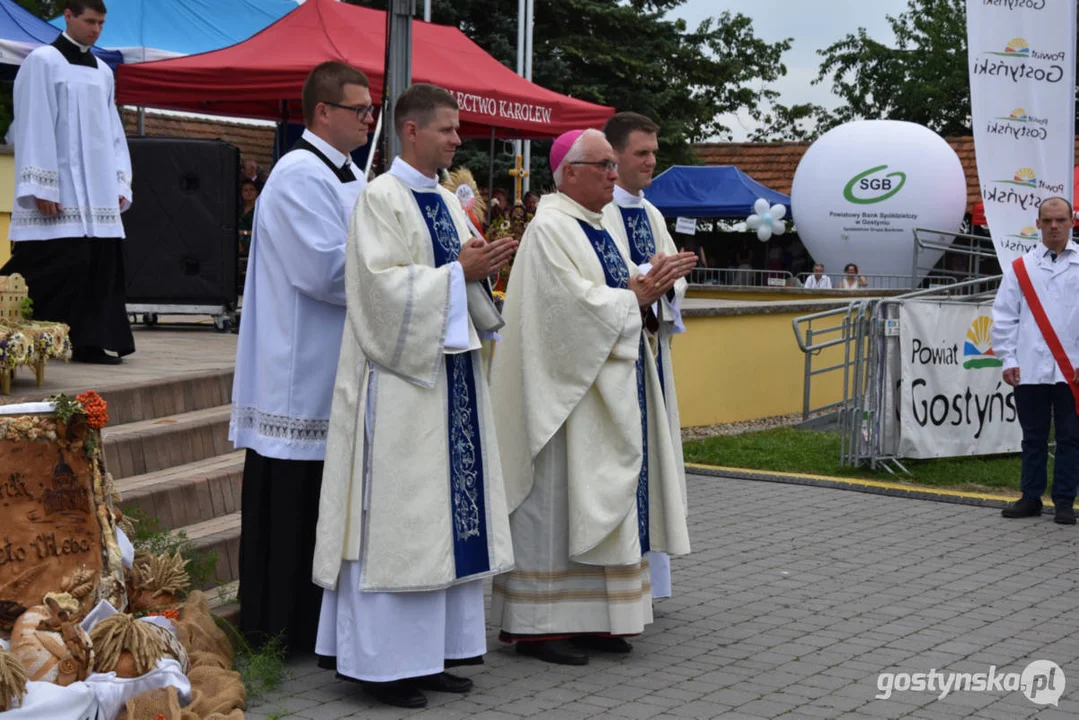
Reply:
x=290, y=336
x=592, y=480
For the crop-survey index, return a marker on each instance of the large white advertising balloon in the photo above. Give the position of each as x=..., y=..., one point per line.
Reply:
x=862, y=188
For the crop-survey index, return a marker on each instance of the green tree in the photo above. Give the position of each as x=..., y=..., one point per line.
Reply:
x=44, y=8
x=922, y=78
x=630, y=56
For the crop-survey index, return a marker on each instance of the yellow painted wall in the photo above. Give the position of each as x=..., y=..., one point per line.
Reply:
x=729, y=368
x=7, y=197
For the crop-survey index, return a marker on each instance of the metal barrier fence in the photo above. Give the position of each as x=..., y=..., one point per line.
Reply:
x=741, y=277
x=868, y=330
x=927, y=244
x=879, y=281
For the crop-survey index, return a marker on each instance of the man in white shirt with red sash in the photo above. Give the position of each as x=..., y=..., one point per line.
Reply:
x=1036, y=334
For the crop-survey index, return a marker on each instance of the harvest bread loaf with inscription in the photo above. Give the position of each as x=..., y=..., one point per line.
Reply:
x=57, y=527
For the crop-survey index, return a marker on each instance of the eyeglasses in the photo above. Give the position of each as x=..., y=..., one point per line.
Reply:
x=362, y=111
x=605, y=165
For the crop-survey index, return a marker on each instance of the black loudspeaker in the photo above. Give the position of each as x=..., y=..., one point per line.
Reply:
x=181, y=245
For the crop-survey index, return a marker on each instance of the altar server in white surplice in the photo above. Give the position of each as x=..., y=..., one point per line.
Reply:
x=592, y=480
x=72, y=181
x=413, y=510
x=641, y=232
x=290, y=334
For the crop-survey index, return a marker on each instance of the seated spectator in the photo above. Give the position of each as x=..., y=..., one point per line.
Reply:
x=249, y=170
x=851, y=279
x=249, y=192
x=818, y=280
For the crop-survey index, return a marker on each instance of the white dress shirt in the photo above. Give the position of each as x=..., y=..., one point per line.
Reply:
x=812, y=283
x=1017, y=339
x=294, y=307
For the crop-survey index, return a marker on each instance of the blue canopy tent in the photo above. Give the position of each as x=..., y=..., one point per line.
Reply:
x=156, y=29
x=21, y=32
x=709, y=191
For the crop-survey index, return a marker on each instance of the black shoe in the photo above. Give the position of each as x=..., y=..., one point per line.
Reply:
x=326, y=662
x=603, y=643
x=94, y=356
x=1064, y=514
x=560, y=652
x=441, y=682
x=399, y=693
x=462, y=662
x=1023, y=507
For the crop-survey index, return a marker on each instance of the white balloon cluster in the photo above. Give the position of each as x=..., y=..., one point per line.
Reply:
x=767, y=221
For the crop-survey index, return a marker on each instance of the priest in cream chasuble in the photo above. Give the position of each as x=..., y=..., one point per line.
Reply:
x=413, y=510
x=72, y=182
x=640, y=231
x=592, y=481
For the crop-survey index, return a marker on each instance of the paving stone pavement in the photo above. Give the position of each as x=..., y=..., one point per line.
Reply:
x=794, y=600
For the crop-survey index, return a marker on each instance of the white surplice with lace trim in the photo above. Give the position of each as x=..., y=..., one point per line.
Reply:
x=294, y=307
x=70, y=149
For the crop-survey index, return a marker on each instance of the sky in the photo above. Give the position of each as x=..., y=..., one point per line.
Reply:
x=813, y=24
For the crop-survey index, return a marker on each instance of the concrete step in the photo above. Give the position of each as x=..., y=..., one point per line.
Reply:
x=148, y=446
x=220, y=535
x=150, y=399
x=186, y=494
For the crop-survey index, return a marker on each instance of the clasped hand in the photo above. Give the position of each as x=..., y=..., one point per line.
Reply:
x=666, y=270
x=479, y=258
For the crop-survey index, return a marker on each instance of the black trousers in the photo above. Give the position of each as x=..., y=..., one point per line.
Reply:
x=279, y=505
x=80, y=282
x=1038, y=406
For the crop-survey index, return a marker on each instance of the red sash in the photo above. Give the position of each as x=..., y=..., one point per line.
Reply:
x=1050, y=335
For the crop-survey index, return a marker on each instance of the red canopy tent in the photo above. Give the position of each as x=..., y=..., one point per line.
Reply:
x=262, y=76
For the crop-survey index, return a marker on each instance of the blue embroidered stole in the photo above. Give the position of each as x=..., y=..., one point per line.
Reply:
x=616, y=273
x=466, y=457
x=642, y=246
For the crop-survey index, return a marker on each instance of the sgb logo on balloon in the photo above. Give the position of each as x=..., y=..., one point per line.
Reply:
x=887, y=186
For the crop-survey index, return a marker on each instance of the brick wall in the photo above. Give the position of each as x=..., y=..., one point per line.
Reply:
x=254, y=141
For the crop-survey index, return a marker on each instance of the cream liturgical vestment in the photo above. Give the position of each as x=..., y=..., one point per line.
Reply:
x=413, y=510
x=640, y=230
x=592, y=480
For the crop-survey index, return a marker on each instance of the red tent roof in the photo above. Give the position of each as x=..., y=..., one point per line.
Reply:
x=251, y=79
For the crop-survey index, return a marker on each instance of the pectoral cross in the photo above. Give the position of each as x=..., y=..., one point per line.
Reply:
x=519, y=174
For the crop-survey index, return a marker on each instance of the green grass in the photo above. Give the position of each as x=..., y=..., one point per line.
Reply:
x=262, y=667
x=807, y=451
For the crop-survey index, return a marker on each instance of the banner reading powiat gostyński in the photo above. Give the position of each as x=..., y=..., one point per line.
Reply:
x=1022, y=97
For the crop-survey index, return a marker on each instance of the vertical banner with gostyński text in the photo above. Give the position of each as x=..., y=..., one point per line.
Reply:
x=1022, y=96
